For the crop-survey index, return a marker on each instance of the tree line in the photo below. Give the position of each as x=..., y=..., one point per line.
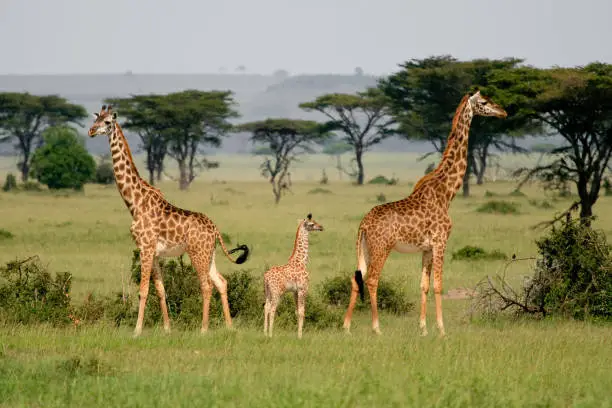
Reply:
x=415, y=103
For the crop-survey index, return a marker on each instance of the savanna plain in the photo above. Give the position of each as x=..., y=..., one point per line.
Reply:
x=480, y=363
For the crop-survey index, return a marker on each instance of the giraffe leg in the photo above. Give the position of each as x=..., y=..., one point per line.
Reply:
x=301, y=308
x=201, y=262
x=438, y=263
x=372, y=283
x=372, y=289
x=206, y=289
x=161, y=293
x=146, y=263
x=266, y=315
x=425, y=281
x=221, y=285
x=273, y=306
x=352, y=301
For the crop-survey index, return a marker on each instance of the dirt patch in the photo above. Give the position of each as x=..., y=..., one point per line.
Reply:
x=459, y=293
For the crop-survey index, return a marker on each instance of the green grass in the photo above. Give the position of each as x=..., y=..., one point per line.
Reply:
x=479, y=364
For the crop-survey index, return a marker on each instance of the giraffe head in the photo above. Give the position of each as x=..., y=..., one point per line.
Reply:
x=310, y=224
x=104, y=123
x=484, y=106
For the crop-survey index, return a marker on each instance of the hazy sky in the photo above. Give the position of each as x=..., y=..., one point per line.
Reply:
x=306, y=36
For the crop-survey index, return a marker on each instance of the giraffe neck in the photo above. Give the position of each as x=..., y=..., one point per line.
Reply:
x=300, y=248
x=453, y=165
x=129, y=183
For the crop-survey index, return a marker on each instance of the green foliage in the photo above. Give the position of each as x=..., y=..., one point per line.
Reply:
x=381, y=198
x=391, y=296
x=425, y=93
x=574, y=272
x=607, y=187
x=383, y=180
x=563, y=100
x=490, y=194
x=31, y=186
x=319, y=190
x=499, y=207
x=344, y=111
x=10, y=183
x=543, y=204
x=179, y=124
x=104, y=172
x=516, y=193
x=25, y=117
x=5, y=234
x=28, y=294
x=324, y=178
x=474, y=253
x=63, y=161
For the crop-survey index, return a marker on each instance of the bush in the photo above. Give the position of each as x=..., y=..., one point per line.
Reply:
x=245, y=296
x=320, y=190
x=383, y=180
x=104, y=173
x=391, y=296
x=544, y=204
x=489, y=194
x=607, y=187
x=498, y=207
x=10, y=183
x=28, y=293
x=517, y=193
x=381, y=198
x=473, y=253
x=5, y=235
x=572, y=278
x=63, y=161
x=31, y=186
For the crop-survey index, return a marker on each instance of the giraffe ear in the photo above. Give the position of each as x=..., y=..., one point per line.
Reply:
x=96, y=115
x=115, y=115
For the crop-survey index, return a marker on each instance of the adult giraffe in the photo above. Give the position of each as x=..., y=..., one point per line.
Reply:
x=162, y=230
x=419, y=222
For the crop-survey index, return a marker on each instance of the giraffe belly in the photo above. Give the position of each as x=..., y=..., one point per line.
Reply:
x=166, y=249
x=406, y=248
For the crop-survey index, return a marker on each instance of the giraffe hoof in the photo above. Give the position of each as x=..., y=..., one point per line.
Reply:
x=424, y=332
x=377, y=331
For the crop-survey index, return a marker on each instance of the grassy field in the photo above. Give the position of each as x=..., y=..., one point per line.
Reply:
x=502, y=364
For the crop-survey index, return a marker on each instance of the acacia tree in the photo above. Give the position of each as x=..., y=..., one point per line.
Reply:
x=424, y=96
x=141, y=114
x=192, y=119
x=286, y=139
x=335, y=147
x=364, y=119
x=575, y=103
x=23, y=118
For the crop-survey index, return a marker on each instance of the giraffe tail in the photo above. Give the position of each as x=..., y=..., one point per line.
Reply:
x=241, y=258
x=360, y=263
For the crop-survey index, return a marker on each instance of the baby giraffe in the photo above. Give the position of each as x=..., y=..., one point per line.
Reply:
x=292, y=277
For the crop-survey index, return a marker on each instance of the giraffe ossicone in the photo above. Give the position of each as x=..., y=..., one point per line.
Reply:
x=161, y=229
x=419, y=222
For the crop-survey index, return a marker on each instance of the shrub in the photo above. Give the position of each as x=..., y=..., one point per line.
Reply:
x=499, y=207
x=473, y=253
x=572, y=278
x=5, y=234
x=517, y=193
x=489, y=194
x=10, y=183
x=607, y=187
x=383, y=180
x=544, y=204
x=104, y=173
x=63, y=161
x=381, y=198
x=31, y=186
x=28, y=293
x=391, y=295
x=245, y=296
x=320, y=190
x=324, y=178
